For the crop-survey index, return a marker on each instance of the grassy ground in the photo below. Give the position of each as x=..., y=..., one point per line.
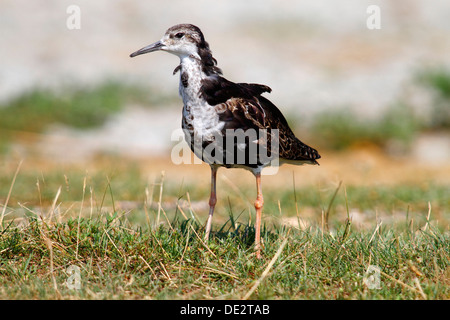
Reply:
x=117, y=232
x=360, y=226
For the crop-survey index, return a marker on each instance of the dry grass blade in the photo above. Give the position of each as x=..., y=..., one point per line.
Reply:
x=419, y=291
x=212, y=270
x=147, y=204
x=112, y=241
x=419, y=287
x=52, y=209
x=327, y=213
x=49, y=245
x=428, y=217
x=165, y=273
x=148, y=266
x=9, y=194
x=160, y=197
x=196, y=234
x=79, y=217
x=266, y=271
x=167, y=219
x=373, y=234
x=184, y=251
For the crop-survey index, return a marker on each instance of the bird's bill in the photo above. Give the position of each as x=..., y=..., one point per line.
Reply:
x=150, y=48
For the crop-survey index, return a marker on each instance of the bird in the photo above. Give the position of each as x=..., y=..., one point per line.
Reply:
x=225, y=122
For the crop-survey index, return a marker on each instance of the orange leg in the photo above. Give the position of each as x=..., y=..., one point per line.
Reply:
x=258, y=206
x=212, y=201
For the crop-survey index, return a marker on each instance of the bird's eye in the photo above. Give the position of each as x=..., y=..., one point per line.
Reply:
x=179, y=35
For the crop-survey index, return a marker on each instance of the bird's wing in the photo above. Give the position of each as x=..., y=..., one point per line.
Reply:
x=241, y=106
x=217, y=90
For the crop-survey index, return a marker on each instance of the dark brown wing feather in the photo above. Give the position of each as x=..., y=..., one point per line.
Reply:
x=217, y=90
x=291, y=148
x=241, y=106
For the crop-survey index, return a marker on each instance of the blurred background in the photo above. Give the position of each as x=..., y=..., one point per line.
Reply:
x=375, y=103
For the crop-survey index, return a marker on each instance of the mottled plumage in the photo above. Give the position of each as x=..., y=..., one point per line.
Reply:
x=244, y=107
x=215, y=109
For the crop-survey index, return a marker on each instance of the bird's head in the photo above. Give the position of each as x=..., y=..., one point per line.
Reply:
x=180, y=40
x=184, y=40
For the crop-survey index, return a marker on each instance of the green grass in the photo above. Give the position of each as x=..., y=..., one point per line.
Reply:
x=121, y=261
x=126, y=254
x=74, y=106
x=438, y=81
x=343, y=129
x=400, y=123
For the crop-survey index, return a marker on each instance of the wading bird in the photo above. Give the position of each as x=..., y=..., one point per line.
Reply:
x=228, y=124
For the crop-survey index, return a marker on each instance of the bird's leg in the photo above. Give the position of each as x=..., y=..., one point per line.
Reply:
x=212, y=201
x=258, y=206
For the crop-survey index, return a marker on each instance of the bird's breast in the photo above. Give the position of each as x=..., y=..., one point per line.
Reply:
x=200, y=119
